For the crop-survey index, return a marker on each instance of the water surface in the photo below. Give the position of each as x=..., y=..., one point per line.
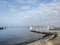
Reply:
x=16, y=35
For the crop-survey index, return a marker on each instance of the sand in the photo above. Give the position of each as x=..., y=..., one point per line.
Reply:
x=55, y=41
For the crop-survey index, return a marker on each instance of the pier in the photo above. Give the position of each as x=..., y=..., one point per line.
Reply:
x=50, y=38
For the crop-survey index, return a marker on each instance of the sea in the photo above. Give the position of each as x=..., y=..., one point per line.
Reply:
x=18, y=35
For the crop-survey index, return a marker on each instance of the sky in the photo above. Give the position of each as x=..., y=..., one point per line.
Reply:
x=30, y=12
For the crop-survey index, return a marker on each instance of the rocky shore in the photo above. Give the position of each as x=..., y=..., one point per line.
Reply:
x=55, y=41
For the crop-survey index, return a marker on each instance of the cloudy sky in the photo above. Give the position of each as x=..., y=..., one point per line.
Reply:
x=29, y=12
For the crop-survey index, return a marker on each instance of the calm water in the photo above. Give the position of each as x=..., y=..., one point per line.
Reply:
x=16, y=35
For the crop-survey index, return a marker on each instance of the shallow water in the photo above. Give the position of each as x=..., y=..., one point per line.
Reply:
x=16, y=35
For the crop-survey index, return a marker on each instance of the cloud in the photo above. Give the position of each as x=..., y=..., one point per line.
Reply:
x=25, y=7
x=48, y=14
x=3, y=4
x=32, y=12
x=26, y=1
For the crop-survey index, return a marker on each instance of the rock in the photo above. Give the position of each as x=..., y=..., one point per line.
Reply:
x=55, y=41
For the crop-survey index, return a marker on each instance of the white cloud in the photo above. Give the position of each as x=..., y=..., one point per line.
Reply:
x=48, y=13
x=25, y=7
x=26, y=1
x=3, y=4
x=44, y=12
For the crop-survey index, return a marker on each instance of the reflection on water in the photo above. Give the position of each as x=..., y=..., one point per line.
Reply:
x=16, y=35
